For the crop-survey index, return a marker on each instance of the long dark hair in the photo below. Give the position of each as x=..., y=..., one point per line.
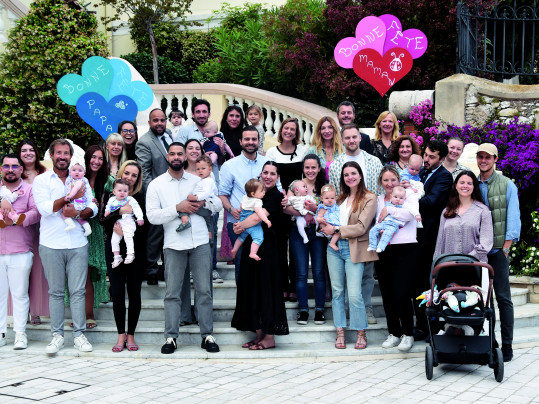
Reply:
x=362, y=191
x=320, y=179
x=103, y=173
x=40, y=168
x=232, y=135
x=454, y=201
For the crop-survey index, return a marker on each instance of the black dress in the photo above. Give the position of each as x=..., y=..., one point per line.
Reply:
x=259, y=299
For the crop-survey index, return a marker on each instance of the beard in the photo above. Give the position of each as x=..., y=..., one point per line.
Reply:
x=177, y=166
x=13, y=178
x=156, y=133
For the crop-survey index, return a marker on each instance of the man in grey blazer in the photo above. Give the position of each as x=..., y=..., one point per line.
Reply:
x=151, y=151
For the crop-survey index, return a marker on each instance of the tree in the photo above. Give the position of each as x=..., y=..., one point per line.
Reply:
x=146, y=14
x=54, y=39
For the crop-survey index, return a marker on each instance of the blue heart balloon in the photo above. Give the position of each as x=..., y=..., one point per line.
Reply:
x=122, y=84
x=105, y=116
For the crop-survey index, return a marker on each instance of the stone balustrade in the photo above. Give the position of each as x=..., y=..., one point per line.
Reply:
x=276, y=107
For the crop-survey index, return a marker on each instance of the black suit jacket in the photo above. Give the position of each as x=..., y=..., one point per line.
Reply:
x=365, y=144
x=432, y=204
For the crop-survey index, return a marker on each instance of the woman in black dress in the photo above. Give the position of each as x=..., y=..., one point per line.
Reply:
x=260, y=306
x=231, y=126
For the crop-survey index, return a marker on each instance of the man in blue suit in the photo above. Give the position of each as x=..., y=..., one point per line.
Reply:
x=437, y=182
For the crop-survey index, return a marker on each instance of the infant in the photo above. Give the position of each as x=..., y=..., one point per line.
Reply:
x=74, y=183
x=412, y=183
x=251, y=204
x=176, y=118
x=330, y=212
x=297, y=201
x=209, y=146
x=389, y=225
x=121, y=198
x=5, y=193
x=203, y=189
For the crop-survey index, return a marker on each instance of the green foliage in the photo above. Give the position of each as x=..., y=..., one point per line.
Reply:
x=170, y=72
x=210, y=72
x=197, y=47
x=51, y=41
x=236, y=17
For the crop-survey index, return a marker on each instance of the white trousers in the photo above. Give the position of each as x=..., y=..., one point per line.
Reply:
x=14, y=278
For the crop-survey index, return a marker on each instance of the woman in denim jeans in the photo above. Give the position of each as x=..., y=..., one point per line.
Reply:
x=313, y=177
x=357, y=209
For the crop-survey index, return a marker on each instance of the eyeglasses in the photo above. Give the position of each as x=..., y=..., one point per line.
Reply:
x=128, y=131
x=13, y=167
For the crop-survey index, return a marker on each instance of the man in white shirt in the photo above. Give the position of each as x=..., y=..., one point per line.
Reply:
x=189, y=246
x=64, y=254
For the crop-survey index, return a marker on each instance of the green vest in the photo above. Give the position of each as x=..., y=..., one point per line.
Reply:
x=497, y=203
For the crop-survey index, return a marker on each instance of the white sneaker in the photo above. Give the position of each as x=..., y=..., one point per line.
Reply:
x=378, y=250
x=56, y=344
x=406, y=343
x=370, y=316
x=82, y=344
x=391, y=341
x=3, y=339
x=371, y=249
x=21, y=342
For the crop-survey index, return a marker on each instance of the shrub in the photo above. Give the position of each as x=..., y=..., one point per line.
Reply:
x=51, y=41
x=198, y=47
x=170, y=72
x=527, y=253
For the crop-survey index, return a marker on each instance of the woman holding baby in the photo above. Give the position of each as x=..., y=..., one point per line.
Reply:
x=303, y=198
x=396, y=265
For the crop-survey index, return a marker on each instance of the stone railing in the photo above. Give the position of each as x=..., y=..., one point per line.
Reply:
x=276, y=107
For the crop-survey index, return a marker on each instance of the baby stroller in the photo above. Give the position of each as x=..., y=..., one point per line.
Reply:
x=465, y=271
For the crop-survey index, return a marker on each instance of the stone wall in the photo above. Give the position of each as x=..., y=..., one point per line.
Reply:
x=462, y=99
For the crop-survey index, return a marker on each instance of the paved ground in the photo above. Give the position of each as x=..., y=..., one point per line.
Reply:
x=102, y=380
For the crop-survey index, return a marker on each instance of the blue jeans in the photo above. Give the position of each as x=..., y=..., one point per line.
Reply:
x=367, y=283
x=301, y=252
x=233, y=237
x=341, y=269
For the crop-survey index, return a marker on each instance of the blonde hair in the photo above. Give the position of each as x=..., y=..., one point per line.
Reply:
x=257, y=109
x=211, y=125
x=115, y=137
x=378, y=132
x=138, y=185
x=317, y=140
x=327, y=188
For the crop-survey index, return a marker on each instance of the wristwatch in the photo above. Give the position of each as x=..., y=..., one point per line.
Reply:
x=506, y=250
x=229, y=210
x=78, y=216
x=337, y=230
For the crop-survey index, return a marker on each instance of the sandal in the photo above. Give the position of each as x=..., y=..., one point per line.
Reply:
x=251, y=343
x=340, y=342
x=260, y=347
x=90, y=323
x=132, y=347
x=35, y=320
x=120, y=347
x=361, y=342
x=129, y=258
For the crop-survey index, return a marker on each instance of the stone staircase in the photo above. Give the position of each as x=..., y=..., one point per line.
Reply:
x=304, y=341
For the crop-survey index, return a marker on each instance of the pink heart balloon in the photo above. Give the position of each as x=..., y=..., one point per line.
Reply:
x=413, y=40
x=370, y=34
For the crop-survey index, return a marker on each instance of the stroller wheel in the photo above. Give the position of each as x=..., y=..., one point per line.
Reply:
x=498, y=367
x=429, y=362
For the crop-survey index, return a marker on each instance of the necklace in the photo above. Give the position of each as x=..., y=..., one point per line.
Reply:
x=402, y=164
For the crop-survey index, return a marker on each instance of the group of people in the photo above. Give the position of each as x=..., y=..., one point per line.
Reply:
x=289, y=207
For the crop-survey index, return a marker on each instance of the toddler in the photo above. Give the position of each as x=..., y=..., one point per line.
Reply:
x=203, y=189
x=74, y=182
x=208, y=143
x=300, y=190
x=176, y=118
x=254, y=115
x=121, y=198
x=252, y=204
x=329, y=212
x=389, y=225
x=5, y=193
x=414, y=187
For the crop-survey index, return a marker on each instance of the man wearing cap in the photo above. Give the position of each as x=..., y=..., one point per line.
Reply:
x=501, y=196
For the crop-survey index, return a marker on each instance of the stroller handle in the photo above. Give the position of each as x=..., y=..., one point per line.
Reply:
x=467, y=264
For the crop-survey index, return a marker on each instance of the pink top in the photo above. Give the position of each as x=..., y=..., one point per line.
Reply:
x=408, y=233
x=19, y=239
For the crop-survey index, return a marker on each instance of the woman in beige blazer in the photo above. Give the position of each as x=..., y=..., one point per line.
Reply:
x=357, y=209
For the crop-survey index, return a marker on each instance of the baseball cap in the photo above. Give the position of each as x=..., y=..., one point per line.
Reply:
x=488, y=148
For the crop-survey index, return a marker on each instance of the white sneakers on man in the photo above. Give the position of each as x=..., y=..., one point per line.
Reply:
x=56, y=344
x=21, y=342
x=391, y=341
x=82, y=344
x=406, y=343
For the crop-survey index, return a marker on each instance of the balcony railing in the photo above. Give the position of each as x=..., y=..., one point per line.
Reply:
x=276, y=107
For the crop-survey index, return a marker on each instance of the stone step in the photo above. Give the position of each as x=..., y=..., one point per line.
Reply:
x=523, y=337
x=223, y=310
